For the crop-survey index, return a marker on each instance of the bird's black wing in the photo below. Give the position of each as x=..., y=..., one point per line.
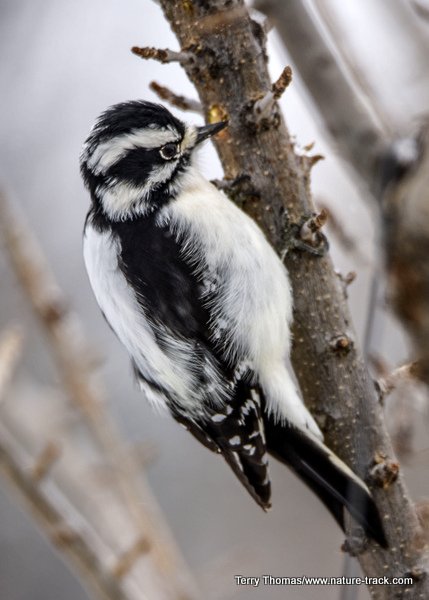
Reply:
x=164, y=283
x=169, y=294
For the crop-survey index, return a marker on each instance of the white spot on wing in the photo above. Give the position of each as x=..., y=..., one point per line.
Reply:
x=218, y=418
x=235, y=440
x=247, y=407
x=249, y=449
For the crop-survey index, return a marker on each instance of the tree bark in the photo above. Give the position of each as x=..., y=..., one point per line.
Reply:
x=229, y=69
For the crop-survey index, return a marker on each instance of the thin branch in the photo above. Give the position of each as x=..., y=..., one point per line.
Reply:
x=406, y=213
x=265, y=105
x=162, y=55
x=129, y=558
x=342, y=236
x=349, y=63
x=175, y=99
x=346, y=280
x=44, y=463
x=414, y=52
x=310, y=229
x=391, y=380
x=11, y=345
x=360, y=138
x=421, y=8
x=282, y=82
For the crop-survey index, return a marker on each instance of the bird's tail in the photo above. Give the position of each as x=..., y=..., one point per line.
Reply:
x=329, y=477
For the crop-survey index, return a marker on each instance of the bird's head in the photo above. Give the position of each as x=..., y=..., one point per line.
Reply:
x=136, y=155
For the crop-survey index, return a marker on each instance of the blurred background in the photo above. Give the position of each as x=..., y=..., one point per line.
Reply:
x=61, y=64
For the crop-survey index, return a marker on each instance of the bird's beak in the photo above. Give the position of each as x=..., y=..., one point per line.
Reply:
x=208, y=130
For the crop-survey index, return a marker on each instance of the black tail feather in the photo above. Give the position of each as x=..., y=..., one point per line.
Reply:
x=327, y=476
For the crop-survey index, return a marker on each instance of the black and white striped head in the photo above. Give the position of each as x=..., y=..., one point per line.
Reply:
x=135, y=156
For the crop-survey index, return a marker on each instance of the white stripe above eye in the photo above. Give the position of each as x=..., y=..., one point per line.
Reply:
x=108, y=153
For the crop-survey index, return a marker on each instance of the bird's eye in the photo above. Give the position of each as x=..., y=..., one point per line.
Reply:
x=169, y=151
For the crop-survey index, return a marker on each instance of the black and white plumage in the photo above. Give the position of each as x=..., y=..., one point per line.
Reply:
x=203, y=305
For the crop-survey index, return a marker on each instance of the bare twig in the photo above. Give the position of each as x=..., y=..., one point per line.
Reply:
x=73, y=545
x=406, y=212
x=162, y=55
x=264, y=106
x=310, y=229
x=344, y=238
x=49, y=455
x=414, y=52
x=421, y=8
x=10, y=352
x=346, y=280
x=282, y=82
x=403, y=373
x=129, y=558
x=174, y=99
x=403, y=410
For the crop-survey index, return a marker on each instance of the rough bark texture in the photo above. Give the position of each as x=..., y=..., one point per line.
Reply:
x=229, y=70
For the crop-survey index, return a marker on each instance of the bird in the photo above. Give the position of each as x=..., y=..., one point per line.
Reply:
x=203, y=305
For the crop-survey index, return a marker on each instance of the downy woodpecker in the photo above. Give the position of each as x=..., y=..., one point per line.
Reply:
x=203, y=305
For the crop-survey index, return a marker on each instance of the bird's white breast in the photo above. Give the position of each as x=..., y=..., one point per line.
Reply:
x=254, y=305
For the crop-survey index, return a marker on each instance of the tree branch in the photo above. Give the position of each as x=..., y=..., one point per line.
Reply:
x=406, y=212
x=161, y=55
x=347, y=118
x=230, y=72
x=10, y=353
x=175, y=99
x=264, y=106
